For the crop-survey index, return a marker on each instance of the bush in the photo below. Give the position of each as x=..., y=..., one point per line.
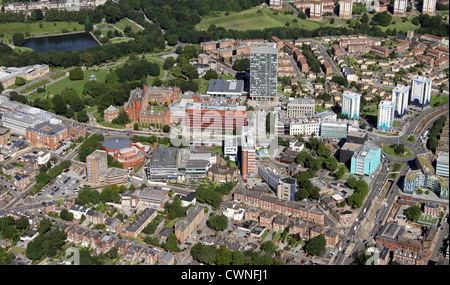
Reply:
x=76, y=74
x=20, y=81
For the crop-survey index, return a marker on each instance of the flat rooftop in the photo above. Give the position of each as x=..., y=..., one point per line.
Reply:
x=220, y=86
x=164, y=156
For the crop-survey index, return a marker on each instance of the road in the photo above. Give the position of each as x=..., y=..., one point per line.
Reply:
x=325, y=54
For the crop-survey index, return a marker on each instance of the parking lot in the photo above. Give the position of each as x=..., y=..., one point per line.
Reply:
x=63, y=149
x=65, y=184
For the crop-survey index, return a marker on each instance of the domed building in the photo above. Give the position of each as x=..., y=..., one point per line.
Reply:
x=125, y=151
x=111, y=113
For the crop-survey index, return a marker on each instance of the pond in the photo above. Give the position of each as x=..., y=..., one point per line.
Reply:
x=78, y=41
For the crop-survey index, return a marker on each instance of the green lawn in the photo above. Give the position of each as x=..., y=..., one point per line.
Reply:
x=438, y=100
x=390, y=151
x=397, y=166
x=120, y=40
x=411, y=139
x=48, y=28
x=36, y=85
x=252, y=20
x=58, y=75
x=78, y=85
x=127, y=22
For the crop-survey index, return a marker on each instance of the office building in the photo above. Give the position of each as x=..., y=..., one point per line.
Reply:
x=351, y=104
x=248, y=154
x=400, y=97
x=263, y=71
x=424, y=177
x=304, y=126
x=225, y=88
x=429, y=7
x=300, y=107
x=286, y=188
x=269, y=176
x=96, y=166
x=230, y=147
x=442, y=164
x=421, y=91
x=316, y=10
x=47, y=135
x=400, y=8
x=385, y=119
x=18, y=123
x=366, y=160
x=163, y=164
x=5, y=136
x=333, y=129
x=345, y=9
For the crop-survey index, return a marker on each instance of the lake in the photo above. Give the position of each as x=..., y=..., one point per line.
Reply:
x=79, y=41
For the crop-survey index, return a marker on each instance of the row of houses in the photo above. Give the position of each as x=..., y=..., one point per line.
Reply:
x=49, y=4
x=253, y=219
x=309, y=213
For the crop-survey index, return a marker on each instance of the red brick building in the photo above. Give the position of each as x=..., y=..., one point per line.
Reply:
x=140, y=99
x=380, y=51
x=185, y=227
x=272, y=204
x=111, y=113
x=48, y=135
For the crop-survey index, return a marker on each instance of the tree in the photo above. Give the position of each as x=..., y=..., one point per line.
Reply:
x=35, y=250
x=82, y=116
x=323, y=151
x=171, y=244
x=217, y=222
x=331, y=163
x=59, y=105
x=413, y=213
x=238, y=258
x=223, y=256
x=302, y=157
x=66, y=215
x=168, y=63
x=76, y=74
x=166, y=128
x=352, y=181
x=211, y=74
x=241, y=65
x=316, y=246
x=269, y=246
x=355, y=200
x=19, y=81
x=18, y=39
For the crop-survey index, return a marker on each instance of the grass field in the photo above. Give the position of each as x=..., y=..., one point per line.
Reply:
x=127, y=22
x=438, y=100
x=48, y=28
x=390, y=151
x=78, y=85
x=252, y=20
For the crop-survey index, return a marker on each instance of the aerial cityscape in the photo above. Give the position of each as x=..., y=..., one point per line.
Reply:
x=224, y=132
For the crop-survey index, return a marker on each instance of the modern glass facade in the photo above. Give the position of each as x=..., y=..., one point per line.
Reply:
x=366, y=160
x=400, y=96
x=421, y=91
x=350, y=104
x=385, y=115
